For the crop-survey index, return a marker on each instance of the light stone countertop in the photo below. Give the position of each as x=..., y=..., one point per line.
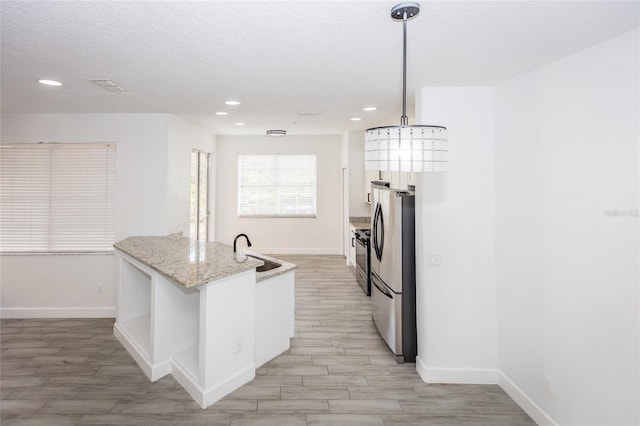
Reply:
x=187, y=262
x=360, y=221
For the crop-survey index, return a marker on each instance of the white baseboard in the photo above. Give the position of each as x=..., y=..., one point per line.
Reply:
x=456, y=375
x=485, y=376
x=527, y=404
x=152, y=371
x=316, y=251
x=100, y=312
x=224, y=387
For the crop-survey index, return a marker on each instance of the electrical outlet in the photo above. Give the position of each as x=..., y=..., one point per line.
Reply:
x=434, y=260
x=239, y=346
x=547, y=384
x=99, y=288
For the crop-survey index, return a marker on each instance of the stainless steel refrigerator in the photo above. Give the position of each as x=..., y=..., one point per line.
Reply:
x=393, y=270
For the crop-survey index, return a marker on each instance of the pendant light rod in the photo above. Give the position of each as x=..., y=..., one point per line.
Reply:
x=404, y=120
x=404, y=11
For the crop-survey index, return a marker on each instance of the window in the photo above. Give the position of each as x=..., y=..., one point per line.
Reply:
x=199, y=219
x=57, y=197
x=277, y=185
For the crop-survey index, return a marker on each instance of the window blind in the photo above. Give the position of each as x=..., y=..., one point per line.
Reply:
x=277, y=185
x=57, y=197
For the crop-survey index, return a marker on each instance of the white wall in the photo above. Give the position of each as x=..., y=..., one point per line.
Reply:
x=567, y=270
x=319, y=235
x=68, y=285
x=141, y=157
x=456, y=301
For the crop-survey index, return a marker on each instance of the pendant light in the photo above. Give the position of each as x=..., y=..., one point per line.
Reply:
x=405, y=148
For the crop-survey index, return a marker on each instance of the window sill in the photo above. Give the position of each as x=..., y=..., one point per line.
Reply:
x=58, y=253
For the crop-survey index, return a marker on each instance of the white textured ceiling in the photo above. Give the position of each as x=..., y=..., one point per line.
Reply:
x=280, y=57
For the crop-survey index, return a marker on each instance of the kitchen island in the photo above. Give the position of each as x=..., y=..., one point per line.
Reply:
x=193, y=309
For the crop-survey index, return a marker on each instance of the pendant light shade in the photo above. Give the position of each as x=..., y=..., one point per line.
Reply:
x=405, y=148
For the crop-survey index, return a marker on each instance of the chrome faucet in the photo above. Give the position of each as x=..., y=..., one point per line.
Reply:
x=235, y=240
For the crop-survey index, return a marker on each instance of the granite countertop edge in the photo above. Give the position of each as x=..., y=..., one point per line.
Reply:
x=165, y=255
x=231, y=265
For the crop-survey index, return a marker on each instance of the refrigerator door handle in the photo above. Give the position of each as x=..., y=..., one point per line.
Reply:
x=383, y=291
x=378, y=225
x=374, y=232
x=376, y=245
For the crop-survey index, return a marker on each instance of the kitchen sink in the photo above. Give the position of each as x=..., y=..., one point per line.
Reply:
x=268, y=264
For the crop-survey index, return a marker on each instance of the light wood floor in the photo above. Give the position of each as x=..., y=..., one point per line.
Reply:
x=338, y=371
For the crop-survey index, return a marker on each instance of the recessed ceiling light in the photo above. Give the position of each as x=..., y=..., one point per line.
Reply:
x=50, y=82
x=232, y=103
x=369, y=108
x=355, y=119
x=222, y=113
x=239, y=124
x=276, y=132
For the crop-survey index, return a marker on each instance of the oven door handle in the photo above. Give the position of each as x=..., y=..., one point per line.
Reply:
x=383, y=291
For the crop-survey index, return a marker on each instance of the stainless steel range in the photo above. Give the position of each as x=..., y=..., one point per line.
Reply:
x=363, y=263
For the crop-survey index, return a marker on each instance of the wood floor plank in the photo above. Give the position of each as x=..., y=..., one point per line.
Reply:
x=338, y=371
x=344, y=419
x=268, y=420
x=41, y=420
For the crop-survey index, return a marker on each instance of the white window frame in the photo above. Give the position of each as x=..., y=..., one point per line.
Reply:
x=277, y=182
x=57, y=198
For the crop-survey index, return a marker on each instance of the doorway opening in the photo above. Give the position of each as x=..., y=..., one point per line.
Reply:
x=199, y=197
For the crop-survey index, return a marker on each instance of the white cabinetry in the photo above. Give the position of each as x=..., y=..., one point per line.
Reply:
x=201, y=312
x=411, y=179
x=398, y=180
x=351, y=260
x=204, y=336
x=370, y=175
x=275, y=316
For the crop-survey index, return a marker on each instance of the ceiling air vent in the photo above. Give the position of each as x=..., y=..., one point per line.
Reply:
x=109, y=85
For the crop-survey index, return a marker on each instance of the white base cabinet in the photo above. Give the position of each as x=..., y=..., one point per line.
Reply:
x=210, y=337
x=351, y=258
x=275, y=323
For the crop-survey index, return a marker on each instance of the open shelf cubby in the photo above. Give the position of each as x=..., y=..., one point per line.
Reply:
x=134, y=305
x=188, y=361
x=138, y=330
